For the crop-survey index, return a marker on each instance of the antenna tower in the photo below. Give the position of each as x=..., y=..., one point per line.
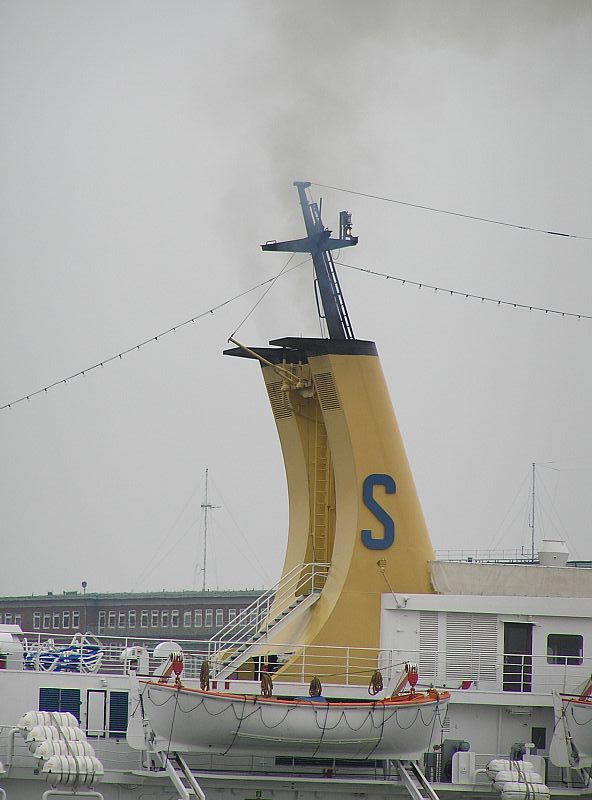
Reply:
x=206, y=506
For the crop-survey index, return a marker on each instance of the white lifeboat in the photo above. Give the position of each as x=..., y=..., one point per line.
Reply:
x=191, y=720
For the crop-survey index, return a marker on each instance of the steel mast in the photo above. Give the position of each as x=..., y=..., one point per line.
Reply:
x=319, y=244
x=206, y=507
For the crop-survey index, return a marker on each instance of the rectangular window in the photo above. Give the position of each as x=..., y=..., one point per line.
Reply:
x=175, y=618
x=53, y=699
x=56, y=620
x=209, y=617
x=164, y=619
x=187, y=619
x=8, y=619
x=219, y=617
x=231, y=614
x=538, y=736
x=198, y=618
x=102, y=619
x=121, y=619
x=18, y=620
x=154, y=618
x=46, y=621
x=117, y=713
x=66, y=619
x=565, y=648
x=517, y=675
x=143, y=619
x=131, y=619
x=111, y=619
x=76, y=619
x=36, y=620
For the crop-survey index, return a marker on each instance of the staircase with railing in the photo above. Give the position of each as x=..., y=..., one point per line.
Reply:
x=241, y=638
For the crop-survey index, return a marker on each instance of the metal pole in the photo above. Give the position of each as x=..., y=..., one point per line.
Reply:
x=532, y=516
x=205, y=540
x=205, y=505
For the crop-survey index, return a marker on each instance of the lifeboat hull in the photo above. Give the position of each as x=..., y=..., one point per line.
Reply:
x=578, y=716
x=194, y=721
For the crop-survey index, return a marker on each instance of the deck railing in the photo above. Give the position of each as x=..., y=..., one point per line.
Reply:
x=522, y=555
x=517, y=673
x=120, y=655
x=506, y=672
x=256, y=619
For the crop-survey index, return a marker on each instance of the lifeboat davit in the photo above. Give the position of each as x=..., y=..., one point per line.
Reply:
x=577, y=712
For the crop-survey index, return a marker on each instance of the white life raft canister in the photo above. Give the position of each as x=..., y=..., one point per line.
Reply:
x=58, y=747
x=514, y=790
x=32, y=719
x=70, y=770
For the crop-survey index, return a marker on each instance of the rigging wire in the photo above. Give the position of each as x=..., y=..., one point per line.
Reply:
x=152, y=339
x=466, y=295
x=453, y=213
x=284, y=271
x=554, y=517
x=251, y=552
x=158, y=557
x=506, y=524
x=265, y=293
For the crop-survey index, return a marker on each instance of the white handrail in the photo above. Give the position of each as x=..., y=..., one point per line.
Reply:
x=255, y=620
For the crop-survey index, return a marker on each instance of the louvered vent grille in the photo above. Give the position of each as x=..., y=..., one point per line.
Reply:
x=55, y=699
x=279, y=400
x=326, y=391
x=118, y=713
x=428, y=645
x=471, y=647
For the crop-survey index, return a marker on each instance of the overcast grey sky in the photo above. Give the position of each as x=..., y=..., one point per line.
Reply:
x=148, y=148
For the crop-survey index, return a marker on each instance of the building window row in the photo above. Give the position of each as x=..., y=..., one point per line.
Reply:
x=69, y=620
x=61, y=620
x=10, y=618
x=166, y=618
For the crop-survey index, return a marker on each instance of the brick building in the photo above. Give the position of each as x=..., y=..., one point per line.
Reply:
x=166, y=615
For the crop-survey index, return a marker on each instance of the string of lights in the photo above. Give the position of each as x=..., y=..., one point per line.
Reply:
x=453, y=213
x=387, y=276
x=140, y=345
x=466, y=295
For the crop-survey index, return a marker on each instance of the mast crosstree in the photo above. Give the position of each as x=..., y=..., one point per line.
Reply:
x=319, y=243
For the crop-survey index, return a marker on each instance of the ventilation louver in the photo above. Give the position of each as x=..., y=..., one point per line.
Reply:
x=326, y=391
x=428, y=645
x=279, y=400
x=471, y=646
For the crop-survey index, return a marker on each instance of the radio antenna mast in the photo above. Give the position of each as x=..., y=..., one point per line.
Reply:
x=319, y=243
x=206, y=506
